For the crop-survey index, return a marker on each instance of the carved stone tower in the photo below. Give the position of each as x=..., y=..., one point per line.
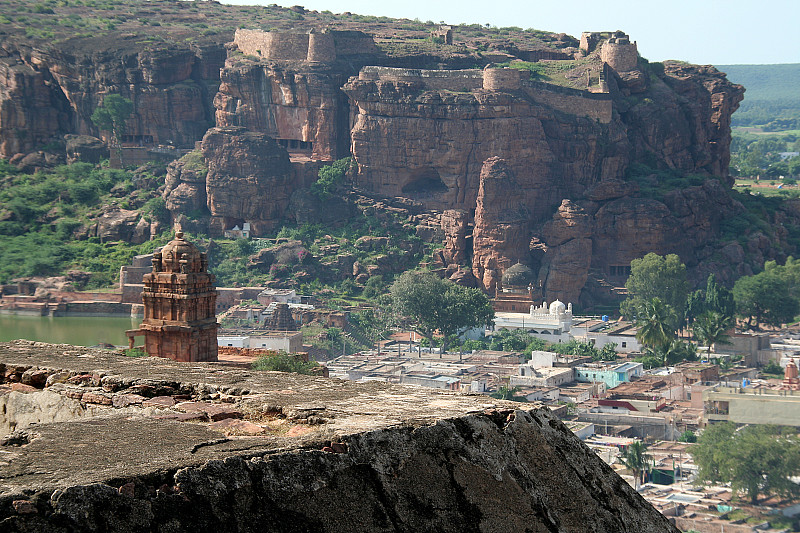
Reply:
x=179, y=304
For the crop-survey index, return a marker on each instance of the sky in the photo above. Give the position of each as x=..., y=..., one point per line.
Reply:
x=717, y=32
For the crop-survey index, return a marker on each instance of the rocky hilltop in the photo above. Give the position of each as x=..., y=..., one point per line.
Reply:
x=106, y=443
x=572, y=156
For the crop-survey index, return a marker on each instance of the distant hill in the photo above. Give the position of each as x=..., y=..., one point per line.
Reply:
x=772, y=96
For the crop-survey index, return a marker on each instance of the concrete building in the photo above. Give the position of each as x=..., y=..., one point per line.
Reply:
x=554, y=320
x=756, y=404
x=434, y=381
x=612, y=374
x=280, y=341
x=238, y=233
x=282, y=296
x=529, y=376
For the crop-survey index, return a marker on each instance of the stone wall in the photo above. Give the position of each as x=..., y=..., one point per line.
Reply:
x=286, y=46
x=501, y=79
x=621, y=56
x=441, y=80
x=353, y=43
x=322, y=47
x=598, y=106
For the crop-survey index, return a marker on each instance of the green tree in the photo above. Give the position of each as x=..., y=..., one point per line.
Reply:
x=654, y=276
x=432, y=304
x=711, y=328
x=111, y=115
x=688, y=436
x=765, y=297
x=329, y=177
x=636, y=458
x=718, y=298
x=607, y=353
x=655, y=323
x=754, y=460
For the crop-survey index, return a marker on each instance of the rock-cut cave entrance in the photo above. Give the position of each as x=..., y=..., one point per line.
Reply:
x=425, y=182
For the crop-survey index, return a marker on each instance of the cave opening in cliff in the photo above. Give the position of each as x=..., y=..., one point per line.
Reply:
x=425, y=182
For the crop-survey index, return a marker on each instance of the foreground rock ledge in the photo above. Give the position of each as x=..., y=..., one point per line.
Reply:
x=263, y=451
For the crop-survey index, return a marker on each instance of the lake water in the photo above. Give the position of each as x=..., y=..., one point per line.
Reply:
x=80, y=331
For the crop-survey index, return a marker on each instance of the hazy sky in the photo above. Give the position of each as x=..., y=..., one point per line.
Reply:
x=719, y=32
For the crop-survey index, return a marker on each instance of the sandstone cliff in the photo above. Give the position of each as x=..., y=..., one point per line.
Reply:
x=576, y=151
x=117, y=448
x=47, y=92
x=501, y=234
x=249, y=179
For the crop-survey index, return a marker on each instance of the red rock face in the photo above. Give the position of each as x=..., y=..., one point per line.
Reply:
x=711, y=100
x=293, y=103
x=568, y=256
x=430, y=145
x=249, y=179
x=45, y=94
x=502, y=230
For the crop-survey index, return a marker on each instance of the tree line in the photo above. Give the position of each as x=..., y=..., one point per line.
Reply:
x=662, y=304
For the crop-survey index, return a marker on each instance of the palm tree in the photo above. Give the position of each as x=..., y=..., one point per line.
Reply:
x=656, y=324
x=635, y=458
x=711, y=328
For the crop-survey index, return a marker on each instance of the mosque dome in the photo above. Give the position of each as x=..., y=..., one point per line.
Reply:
x=518, y=275
x=557, y=308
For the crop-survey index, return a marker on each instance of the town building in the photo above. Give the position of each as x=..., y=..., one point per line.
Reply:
x=279, y=341
x=238, y=233
x=757, y=403
x=612, y=374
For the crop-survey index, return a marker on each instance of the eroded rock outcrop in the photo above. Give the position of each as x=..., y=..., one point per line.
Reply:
x=293, y=103
x=249, y=179
x=502, y=230
x=270, y=451
x=568, y=257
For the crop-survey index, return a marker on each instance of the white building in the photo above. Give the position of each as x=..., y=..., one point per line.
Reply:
x=283, y=341
x=554, y=320
x=529, y=376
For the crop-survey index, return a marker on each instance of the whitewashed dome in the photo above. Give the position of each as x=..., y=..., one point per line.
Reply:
x=557, y=308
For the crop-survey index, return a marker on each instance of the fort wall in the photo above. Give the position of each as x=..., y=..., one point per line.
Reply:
x=440, y=80
x=620, y=53
x=321, y=48
x=598, y=106
x=353, y=43
x=316, y=47
x=501, y=79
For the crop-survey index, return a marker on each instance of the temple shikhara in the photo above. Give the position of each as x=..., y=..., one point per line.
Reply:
x=179, y=305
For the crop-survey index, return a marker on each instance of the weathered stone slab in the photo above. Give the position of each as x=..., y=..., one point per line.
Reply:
x=377, y=457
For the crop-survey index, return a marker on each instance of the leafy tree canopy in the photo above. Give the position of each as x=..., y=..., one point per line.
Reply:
x=655, y=276
x=112, y=114
x=329, y=177
x=765, y=298
x=754, y=460
x=432, y=304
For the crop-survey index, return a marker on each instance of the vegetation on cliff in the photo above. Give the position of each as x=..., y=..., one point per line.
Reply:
x=46, y=220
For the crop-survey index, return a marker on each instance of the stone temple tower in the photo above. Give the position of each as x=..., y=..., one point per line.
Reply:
x=179, y=305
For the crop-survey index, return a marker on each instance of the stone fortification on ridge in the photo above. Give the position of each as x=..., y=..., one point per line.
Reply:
x=324, y=47
x=127, y=444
